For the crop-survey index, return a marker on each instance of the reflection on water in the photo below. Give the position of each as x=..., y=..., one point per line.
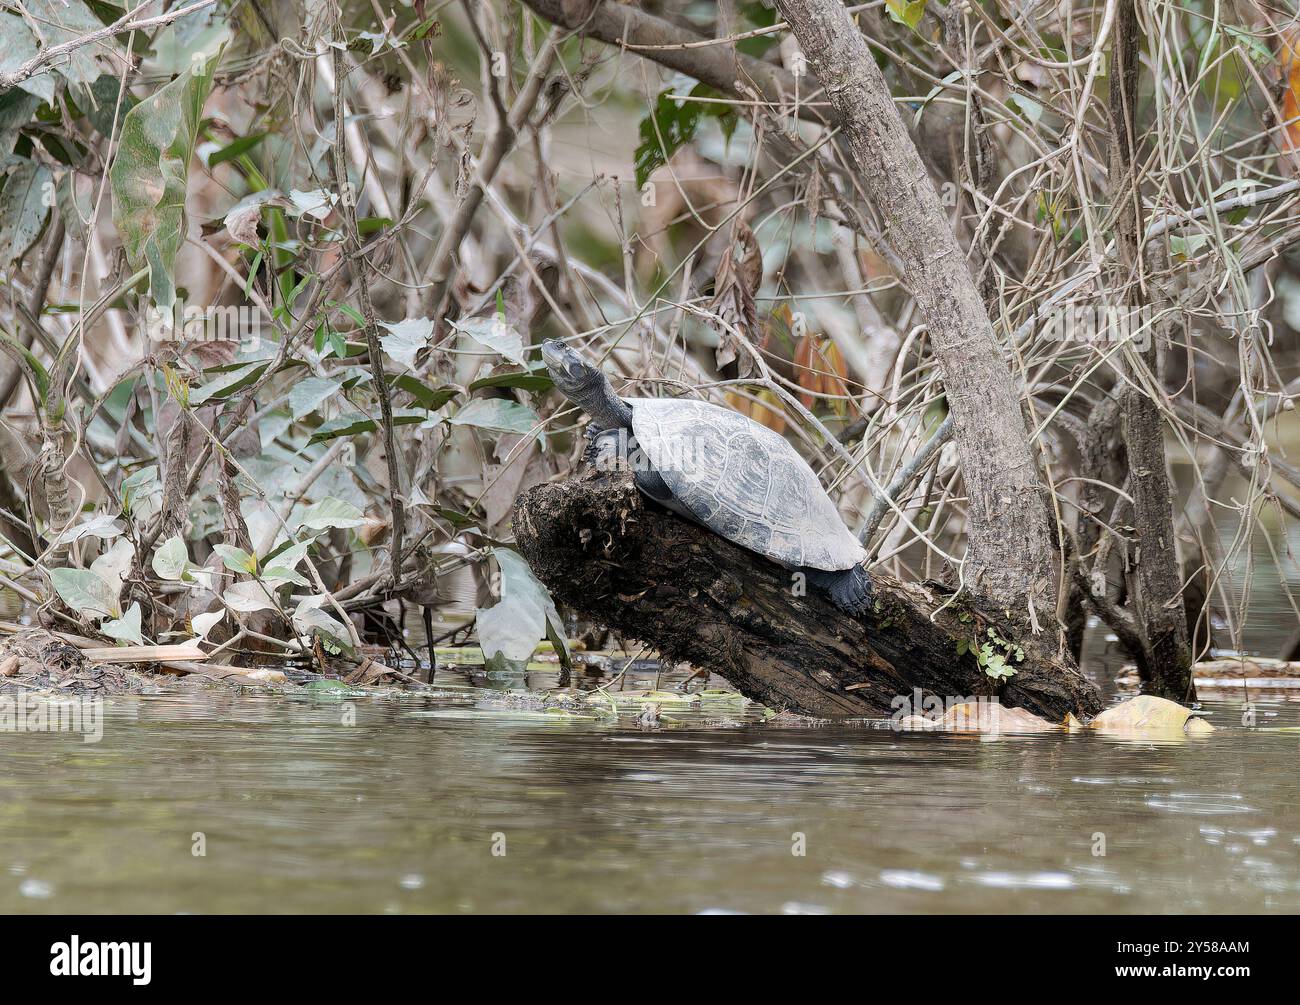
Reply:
x=401, y=812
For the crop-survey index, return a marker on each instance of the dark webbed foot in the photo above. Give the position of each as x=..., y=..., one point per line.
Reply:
x=849, y=590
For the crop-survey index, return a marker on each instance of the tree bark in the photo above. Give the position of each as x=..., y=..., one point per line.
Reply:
x=1010, y=556
x=616, y=558
x=1157, y=604
x=719, y=66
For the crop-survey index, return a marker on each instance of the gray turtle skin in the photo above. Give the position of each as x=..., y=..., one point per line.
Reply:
x=744, y=482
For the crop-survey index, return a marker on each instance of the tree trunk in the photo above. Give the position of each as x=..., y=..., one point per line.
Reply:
x=1010, y=548
x=616, y=558
x=1157, y=603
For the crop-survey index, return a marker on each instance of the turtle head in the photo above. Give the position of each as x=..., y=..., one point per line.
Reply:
x=585, y=385
x=573, y=375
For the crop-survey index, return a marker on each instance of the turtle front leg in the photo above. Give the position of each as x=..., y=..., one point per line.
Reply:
x=849, y=589
x=609, y=449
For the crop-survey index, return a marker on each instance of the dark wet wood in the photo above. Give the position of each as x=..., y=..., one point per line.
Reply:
x=623, y=561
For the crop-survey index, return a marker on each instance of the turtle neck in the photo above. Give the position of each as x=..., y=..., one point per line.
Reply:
x=606, y=408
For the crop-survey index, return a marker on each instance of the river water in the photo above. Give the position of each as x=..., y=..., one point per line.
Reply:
x=206, y=801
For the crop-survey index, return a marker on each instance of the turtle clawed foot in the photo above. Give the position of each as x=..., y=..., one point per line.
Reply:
x=850, y=589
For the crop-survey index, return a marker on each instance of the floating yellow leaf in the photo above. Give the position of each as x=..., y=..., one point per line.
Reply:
x=1149, y=714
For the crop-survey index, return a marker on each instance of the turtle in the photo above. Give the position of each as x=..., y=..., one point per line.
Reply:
x=722, y=470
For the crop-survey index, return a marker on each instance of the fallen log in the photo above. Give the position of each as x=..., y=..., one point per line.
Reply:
x=621, y=560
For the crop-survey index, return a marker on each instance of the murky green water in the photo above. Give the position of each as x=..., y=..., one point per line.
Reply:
x=402, y=812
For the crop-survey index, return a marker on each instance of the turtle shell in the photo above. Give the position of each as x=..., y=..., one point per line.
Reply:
x=743, y=481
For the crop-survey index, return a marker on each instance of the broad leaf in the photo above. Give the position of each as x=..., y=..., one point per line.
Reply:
x=497, y=414
x=58, y=21
x=426, y=395
x=171, y=559
x=104, y=526
x=406, y=338
x=127, y=628
x=235, y=559
x=19, y=47
x=308, y=395
x=496, y=334
x=526, y=614
x=331, y=513
x=84, y=591
x=149, y=174
x=204, y=623
x=247, y=597
x=24, y=205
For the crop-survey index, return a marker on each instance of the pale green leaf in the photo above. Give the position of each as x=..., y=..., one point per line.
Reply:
x=84, y=591
x=24, y=205
x=511, y=629
x=148, y=175
x=54, y=22
x=204, y=623
x=235, y=559
x=308, y=395
x=497, y=335
x=19, y=47
x=127, y=628
x=330, y=514
x=497, y=414
x=406, y=338
x=247, y=597
x=171, y=559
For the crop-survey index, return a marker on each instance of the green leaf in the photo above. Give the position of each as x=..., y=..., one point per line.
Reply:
x=526, y=614
x=495, y=334
x=496, y=414
x=232, y=150
x=19, y=47
x=534, y=379
x=278, y=574
x=247, y=597
x=171, y=559
x=330, y=513
x=149, y=173
x=24, y=205
x=39, y=375
x=309, y=619
x=99, y=101
x=908, y=12
x=357, y=422
x=307, y=395
x=235, y=559
x=228, y=382
x=669, y=125
x=16, y=110
x=54, y=22
x=85, y=591
x=406, y=339
x=127, y=628
x=427, y=395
